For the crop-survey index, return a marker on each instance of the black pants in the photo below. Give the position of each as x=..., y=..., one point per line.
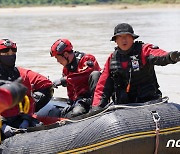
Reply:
x=93, y=79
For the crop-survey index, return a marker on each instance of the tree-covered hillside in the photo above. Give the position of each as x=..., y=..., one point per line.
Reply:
x=9, y=3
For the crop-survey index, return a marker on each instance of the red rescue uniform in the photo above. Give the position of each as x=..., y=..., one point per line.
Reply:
x=77, y=82
x=29, y=78
x=142, y=77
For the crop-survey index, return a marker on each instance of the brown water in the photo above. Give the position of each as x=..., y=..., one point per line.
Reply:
x=90, y=31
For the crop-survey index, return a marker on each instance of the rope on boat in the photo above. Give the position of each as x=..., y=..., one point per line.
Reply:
x=156, y=119
x=114, y=107
x=109, y=108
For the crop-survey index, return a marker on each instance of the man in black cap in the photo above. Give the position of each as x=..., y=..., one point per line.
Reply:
x=129, y=73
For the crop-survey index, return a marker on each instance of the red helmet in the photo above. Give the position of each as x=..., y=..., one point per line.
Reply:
x=60, y=46
x=6, y=44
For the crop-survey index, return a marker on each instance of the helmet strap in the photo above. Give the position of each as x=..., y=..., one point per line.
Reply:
x=62, y=55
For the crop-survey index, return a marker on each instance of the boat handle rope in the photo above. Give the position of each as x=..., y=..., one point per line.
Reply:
x=26, y=107
x=109, y=108
x=156, y=119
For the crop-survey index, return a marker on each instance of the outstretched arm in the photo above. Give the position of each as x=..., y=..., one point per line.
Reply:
x=153, y=55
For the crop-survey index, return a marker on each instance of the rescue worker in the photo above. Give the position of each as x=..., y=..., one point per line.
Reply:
x=13, y=117
x=129, y=73
x=11, y=94
x=80, y=75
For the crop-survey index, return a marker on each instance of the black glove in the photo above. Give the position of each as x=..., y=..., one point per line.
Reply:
x=175, y=56
x=7, y=130
x=60, y=82
x=65, y=110
x=87, y=102
x=38, y=96
x=17, y=90
x=78, y=109
x=90, y=63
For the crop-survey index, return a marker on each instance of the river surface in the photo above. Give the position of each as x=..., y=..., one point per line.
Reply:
x=90, y=31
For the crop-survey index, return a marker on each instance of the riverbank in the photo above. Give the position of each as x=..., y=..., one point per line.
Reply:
x=88, y=7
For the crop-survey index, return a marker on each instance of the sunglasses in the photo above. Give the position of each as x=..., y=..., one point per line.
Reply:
x=7, y=50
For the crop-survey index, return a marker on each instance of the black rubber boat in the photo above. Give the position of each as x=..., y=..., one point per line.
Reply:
x=119, y=129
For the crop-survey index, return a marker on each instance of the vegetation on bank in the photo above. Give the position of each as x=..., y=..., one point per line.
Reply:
x=16, y=3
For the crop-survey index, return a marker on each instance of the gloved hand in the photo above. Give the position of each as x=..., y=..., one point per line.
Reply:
x=78, y=109
x=90, y=63
x=175, y=56
x=87, y=102
x=60, y=82
x=24, y=124
x=38, y=96
x=65, y=110
x=7, y=130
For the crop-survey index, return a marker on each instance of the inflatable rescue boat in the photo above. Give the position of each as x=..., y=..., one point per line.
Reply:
x=144, y=128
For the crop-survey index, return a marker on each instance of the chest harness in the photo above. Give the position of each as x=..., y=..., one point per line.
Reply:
x=72, y=67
